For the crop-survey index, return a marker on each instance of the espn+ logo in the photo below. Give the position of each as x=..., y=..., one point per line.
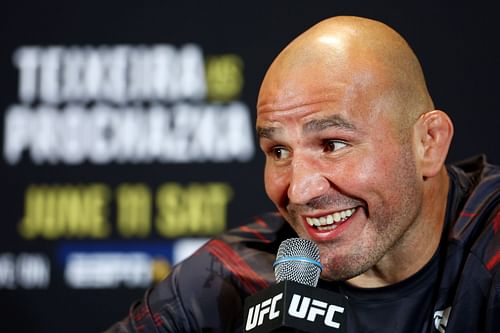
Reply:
x=301, y=307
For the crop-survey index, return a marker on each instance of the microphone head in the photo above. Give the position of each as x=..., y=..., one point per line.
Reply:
x=298, y=260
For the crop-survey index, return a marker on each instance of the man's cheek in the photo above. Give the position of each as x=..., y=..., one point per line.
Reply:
x=276, y=189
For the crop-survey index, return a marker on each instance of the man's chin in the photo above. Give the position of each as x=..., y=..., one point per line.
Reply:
x=335, y=276
x=340, y=270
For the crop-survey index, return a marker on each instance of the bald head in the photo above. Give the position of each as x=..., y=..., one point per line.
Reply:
x=367, y=56
x=345, y=122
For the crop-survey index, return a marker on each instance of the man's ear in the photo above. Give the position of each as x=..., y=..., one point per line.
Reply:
x=434, y=131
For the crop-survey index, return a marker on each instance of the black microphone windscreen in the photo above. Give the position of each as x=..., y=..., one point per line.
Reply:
x=298, y=260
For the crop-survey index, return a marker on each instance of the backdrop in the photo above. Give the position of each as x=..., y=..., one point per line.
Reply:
x=128, y=133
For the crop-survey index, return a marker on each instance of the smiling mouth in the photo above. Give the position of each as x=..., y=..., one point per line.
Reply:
x=330, y=221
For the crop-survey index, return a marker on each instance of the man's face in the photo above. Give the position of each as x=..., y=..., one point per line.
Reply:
x=337, y=167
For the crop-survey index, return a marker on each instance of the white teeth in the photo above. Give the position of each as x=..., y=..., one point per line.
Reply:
x=322, y=220
x=328, y=227
x=327, y=222
x=336, y=217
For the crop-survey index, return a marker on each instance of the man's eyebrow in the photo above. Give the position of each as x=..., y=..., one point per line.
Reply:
x=266, y=132
x=316, y=125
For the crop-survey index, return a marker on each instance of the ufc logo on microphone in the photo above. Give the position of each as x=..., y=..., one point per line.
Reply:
x=309, y=310
x=257, y=313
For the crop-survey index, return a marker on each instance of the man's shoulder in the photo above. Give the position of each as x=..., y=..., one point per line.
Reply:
x=476, y=226
x=475, y=193
x=267, y=228
x=218, y=276
x=470, y=279
x=243, y=255
x=473, y=171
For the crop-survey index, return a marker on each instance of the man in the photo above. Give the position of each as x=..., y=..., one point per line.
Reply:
x=355, y=154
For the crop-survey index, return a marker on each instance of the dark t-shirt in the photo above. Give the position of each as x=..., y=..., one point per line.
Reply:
x=402, y=307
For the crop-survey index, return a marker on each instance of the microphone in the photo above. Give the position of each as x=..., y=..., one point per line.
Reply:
x=294, y=302
x=298, y=260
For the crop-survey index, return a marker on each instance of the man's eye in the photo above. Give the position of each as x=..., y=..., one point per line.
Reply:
x=334, y=145
x=280, y=153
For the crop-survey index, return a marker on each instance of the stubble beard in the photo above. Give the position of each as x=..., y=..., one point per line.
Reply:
x=386, y=229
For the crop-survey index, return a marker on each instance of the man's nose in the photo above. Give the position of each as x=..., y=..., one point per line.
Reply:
x=307, y=182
